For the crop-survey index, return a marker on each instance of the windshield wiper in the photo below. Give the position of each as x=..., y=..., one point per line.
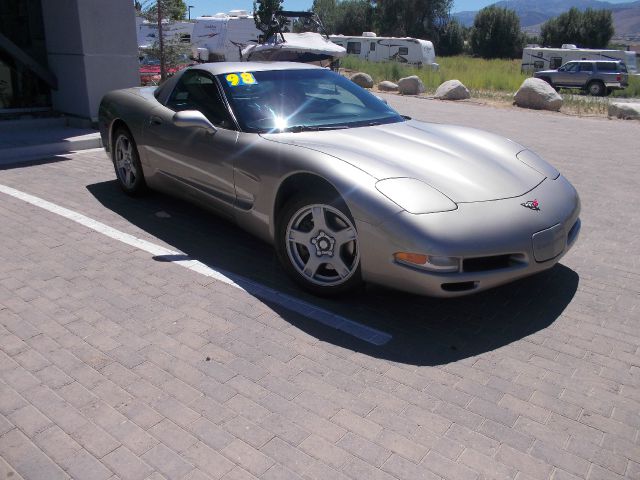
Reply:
x=314, y=128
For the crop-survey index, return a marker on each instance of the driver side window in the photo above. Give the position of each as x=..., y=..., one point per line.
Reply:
x=197, y=90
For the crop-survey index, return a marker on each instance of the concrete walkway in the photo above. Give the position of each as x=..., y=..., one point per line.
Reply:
x=26, y=140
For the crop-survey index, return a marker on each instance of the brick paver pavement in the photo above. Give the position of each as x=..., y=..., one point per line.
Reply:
x=114, y=364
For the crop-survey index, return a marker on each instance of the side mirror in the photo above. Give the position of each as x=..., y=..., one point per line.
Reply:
x=193, y=118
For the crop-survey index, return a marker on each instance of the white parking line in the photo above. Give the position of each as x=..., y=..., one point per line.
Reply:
x=320, y=315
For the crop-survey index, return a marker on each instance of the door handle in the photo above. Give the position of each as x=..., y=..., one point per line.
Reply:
x=155, y=120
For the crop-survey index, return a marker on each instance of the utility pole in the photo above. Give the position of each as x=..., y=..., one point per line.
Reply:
x=163, y=68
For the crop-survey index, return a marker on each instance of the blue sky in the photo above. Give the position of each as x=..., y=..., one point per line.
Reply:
x=210, y=7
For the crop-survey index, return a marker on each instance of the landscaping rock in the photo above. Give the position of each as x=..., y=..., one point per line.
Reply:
x=452, y=90
x=627, y=111
x=539, y=95
x=362, y=79
x=410, y=85
x=387, y=86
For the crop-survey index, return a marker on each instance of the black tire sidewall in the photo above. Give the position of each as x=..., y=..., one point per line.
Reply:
x=139, y=186
x=291, y=208
x=600, y=85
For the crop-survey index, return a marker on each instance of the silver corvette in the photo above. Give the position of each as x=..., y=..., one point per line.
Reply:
x=345, y=188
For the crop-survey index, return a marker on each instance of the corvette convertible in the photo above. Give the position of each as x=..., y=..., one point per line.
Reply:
x=345, y=188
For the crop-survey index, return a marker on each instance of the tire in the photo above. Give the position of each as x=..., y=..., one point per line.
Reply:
x=126, y=163
x=323, y=260
x=596, y=88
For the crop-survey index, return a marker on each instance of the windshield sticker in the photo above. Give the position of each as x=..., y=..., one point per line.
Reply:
x=244, y=78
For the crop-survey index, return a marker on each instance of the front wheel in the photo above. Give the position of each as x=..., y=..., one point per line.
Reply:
x=317, y=243
x=126, y=162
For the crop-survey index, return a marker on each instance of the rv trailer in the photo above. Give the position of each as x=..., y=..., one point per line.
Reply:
x=412, y=51
x=147, y=32
x=222, y=37
x=536, y=58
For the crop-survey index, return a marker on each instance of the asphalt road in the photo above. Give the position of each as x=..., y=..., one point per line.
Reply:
x=116, y=362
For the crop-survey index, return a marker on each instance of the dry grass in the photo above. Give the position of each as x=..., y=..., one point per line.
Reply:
x=492, y=82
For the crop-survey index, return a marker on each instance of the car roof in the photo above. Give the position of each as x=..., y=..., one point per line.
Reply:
x=596, y=60
x=220, y=68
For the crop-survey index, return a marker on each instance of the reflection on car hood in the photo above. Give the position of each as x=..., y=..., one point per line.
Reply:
x=465, y=164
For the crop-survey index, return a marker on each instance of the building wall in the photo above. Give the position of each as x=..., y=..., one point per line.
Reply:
x=92, y=48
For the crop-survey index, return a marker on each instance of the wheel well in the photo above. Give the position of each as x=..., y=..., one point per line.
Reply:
x=115, y=125
x=297, y=183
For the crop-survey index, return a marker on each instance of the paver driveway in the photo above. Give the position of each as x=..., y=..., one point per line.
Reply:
x=118, y=363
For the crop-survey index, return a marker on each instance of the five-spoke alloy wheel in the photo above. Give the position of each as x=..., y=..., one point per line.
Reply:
x=318, y=245
x=127, y=163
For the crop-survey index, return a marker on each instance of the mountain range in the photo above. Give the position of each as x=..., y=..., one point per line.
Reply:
x=533, y=13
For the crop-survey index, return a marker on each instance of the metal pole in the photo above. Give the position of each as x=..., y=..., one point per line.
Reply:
x=189, y=10
x=163, y=69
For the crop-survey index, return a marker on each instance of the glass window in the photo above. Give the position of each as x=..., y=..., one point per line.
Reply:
x=403, y=51
x=586, y=67
x=555, y=62
x=570, y=67
x=538, y=64
x=308, y=99
x=354, y=47
x=607, y=66
x=197, y=90
x=372, y=46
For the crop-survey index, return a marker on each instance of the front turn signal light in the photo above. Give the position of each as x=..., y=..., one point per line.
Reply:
x=434, y=263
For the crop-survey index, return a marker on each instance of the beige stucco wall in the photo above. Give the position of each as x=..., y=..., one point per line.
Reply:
x=92, y=48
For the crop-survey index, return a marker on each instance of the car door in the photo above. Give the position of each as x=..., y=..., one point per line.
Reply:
x=584, y=74
x=196, y=161
x=566, y=74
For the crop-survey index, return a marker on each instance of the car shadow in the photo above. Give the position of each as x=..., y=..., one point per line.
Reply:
x=425, y=331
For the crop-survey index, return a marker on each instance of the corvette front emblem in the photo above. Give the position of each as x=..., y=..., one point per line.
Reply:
x=532, y=204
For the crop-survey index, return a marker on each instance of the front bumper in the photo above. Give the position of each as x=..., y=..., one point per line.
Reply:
x=497, y=242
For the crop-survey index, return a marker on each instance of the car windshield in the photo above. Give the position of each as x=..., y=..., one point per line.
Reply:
x=300, y=100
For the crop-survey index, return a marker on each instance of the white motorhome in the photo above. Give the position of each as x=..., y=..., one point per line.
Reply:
x=147, y=32
x=222, y=37
x=378, y=49
x=535, y=58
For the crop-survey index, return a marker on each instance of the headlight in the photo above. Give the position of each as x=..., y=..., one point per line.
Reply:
x=415, y=196
x=538, y=164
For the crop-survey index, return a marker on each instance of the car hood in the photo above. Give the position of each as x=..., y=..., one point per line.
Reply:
x=544, y=72
x=465, y=164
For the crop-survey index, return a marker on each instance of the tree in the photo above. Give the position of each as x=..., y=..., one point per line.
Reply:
x=450, y=39
x=413, y=18
x=327, y=12
x=354, y=17
x=171, y=9
x=263, y=14
x=496, y=33
x=158, y=12
x=588, y=29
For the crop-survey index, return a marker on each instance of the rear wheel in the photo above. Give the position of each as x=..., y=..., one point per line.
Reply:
x=317, y=243
x=126, y=162
x=596, y=88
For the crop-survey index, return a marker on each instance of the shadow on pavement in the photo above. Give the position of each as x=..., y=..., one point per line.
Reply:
x=426, y=331
x=10, y=164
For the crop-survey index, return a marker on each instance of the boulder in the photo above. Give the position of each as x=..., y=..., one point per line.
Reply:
x=410, y=85
x=628, y=111
x=387, y=86
x=362, y=79
x=538, y=94
x=452, y=90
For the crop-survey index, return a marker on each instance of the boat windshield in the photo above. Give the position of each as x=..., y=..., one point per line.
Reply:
x=302, y=100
